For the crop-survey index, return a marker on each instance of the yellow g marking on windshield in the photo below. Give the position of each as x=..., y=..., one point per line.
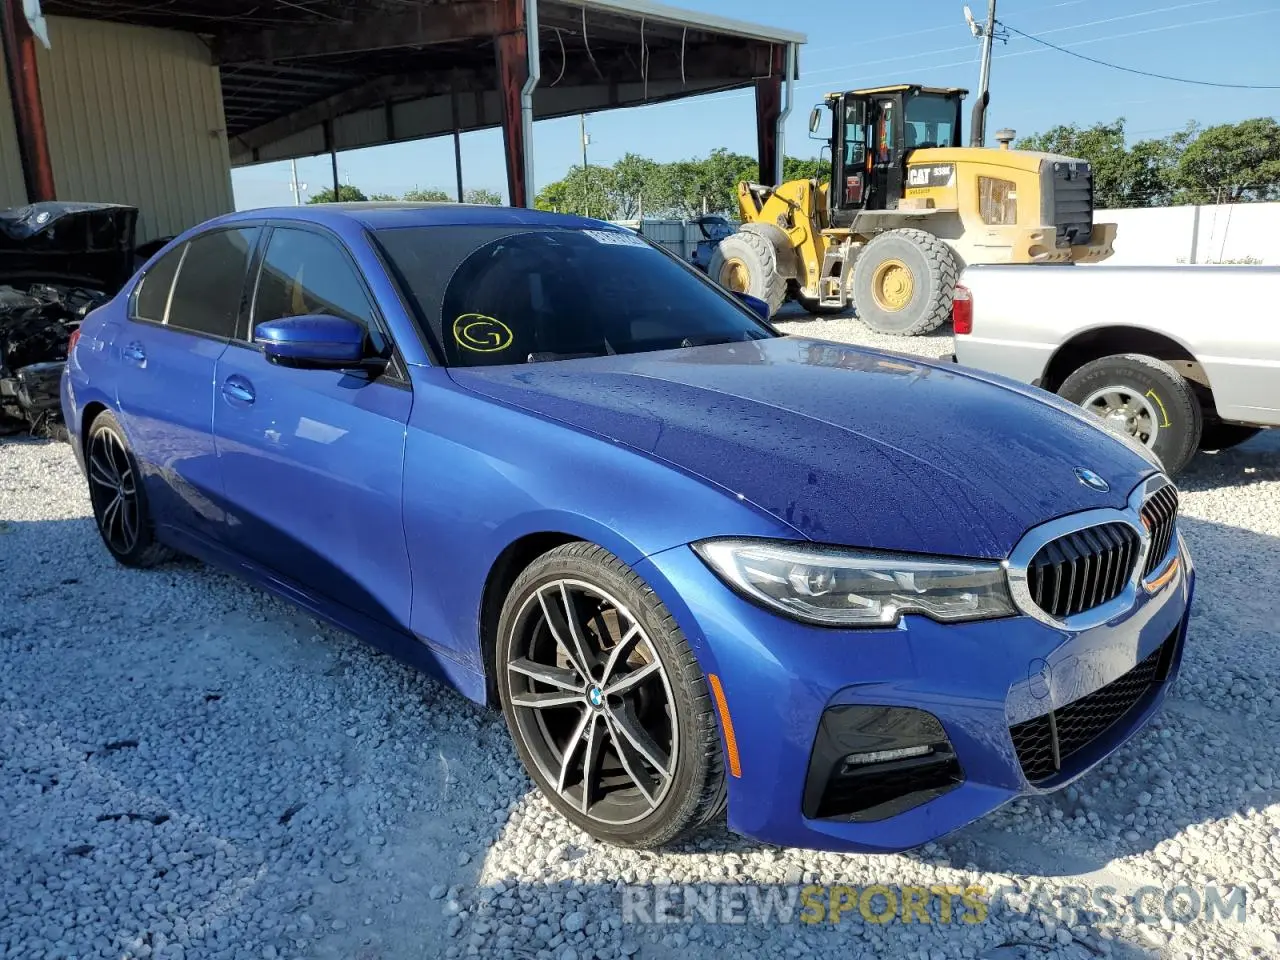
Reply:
x=1160, y=403
x=481, y=334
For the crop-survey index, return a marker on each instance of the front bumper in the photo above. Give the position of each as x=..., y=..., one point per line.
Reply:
x=780, y=678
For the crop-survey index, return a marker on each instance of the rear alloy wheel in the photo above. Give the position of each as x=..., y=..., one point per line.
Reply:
x=903, y=283
x=1144, y=398
x=609, y=712
x=118, y=499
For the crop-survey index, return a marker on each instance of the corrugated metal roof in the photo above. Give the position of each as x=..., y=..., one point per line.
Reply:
x=681, y=18
x=134, y=115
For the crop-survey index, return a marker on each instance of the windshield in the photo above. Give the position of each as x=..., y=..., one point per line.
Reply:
x=538, y=295
x=931, y=121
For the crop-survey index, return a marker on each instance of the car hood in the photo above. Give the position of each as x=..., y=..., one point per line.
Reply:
x=848, y=446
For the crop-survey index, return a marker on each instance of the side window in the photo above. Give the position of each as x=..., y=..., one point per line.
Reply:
x=206, y=297
x=884, y=132
x=151, y=296
x=307, y=273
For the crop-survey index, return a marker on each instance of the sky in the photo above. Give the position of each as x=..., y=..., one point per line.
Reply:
x=919, y=41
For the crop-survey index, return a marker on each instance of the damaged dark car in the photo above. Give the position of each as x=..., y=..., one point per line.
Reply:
x=58, y=261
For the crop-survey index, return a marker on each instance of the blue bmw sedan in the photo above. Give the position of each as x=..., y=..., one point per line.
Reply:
x=850, y=599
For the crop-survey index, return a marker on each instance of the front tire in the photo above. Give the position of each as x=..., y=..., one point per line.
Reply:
x=747, y=263
x=1145, y=398
x=605, y=701
x=904, y=282
x=120, y=509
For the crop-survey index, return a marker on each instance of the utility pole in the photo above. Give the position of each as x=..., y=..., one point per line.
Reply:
x=586, y=192
x=987, y=33
x=294, y=186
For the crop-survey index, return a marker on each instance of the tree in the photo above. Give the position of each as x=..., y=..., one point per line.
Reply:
x=808, y=168
x=346, y=194
x=591, y=194
x=1232, y=162
x=639, y=186
x=481, y=195
x=383, y=196
x=432, y=195
x=1123, y=176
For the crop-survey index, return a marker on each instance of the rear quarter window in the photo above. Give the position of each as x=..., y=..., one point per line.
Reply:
x=151, y=296
x=210, y=286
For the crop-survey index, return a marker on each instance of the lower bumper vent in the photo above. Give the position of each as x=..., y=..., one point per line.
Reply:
x=870, y=763
x=1046, y=744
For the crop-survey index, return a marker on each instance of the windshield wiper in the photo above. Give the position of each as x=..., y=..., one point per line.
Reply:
x=543, y=356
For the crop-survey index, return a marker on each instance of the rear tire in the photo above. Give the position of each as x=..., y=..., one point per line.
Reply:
x=1162, y=404
x=815, y=307
x=903, y=283
x=1223, y=436
x=747, y=263
x=558, y=717
x=119, y=498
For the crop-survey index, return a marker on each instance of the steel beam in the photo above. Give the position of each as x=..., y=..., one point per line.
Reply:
x=513, y=72
x=28, y=108
x=768, y=111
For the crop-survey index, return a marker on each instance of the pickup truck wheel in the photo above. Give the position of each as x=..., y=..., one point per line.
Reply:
x=903, y=283
x=1223, y=436
x=1145, y=398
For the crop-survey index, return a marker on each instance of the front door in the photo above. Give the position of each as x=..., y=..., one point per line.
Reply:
x=181, y=316
x=312, y=460
x=884, y=188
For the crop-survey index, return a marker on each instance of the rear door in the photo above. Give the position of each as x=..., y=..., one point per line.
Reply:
x=313, y=460
x=183, y=313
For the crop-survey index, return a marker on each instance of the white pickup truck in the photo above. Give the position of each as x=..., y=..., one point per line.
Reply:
x=1180, y=357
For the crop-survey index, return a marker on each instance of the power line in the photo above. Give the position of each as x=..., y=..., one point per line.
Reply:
x=1141, y=73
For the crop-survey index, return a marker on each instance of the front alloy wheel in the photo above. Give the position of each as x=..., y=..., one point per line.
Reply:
x=608, y=710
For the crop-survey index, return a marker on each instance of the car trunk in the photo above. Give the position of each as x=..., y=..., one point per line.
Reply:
x=58, y=261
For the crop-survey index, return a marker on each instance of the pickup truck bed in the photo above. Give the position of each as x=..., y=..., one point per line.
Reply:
x=1182, y=357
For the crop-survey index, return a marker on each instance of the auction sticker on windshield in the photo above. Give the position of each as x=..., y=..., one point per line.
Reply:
x=616, y=237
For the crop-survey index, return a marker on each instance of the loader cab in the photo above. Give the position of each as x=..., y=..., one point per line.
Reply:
x=873, y=132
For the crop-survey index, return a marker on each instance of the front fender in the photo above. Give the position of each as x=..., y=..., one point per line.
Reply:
x=506, y=474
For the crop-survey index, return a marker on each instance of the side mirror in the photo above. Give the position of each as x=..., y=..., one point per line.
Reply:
x=312, y=341
x=815, y=121
x=757, y=306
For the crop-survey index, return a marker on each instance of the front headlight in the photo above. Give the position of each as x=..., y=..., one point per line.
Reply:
x=855, y=588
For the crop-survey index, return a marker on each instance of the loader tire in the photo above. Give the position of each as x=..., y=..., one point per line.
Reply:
x=817, y=308
x=747, y=263
x=903, y=283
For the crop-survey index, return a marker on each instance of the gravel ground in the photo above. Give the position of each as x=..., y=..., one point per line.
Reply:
x=190, y=768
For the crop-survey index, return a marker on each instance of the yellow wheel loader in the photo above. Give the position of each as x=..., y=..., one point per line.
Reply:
x=907, y=208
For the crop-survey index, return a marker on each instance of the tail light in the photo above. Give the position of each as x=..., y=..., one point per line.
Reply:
x=72, y=341
x=962, y=311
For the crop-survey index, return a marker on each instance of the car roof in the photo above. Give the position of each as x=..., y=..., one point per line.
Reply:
x=384, y=215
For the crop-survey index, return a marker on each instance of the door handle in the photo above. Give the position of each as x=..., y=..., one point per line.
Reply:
x=238, y=390
x=133, y=353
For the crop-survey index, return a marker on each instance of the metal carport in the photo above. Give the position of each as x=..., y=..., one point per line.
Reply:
x=317, y=76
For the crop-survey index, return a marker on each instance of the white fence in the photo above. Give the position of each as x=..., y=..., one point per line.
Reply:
x=1206, y=234
x=1151, y=235
x=678, y=236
